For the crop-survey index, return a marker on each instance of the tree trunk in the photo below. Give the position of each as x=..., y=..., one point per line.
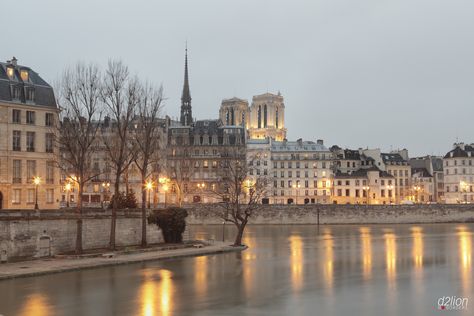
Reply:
x=240, y=234
x=144, y=242
x=113, y=218
x=79, y=220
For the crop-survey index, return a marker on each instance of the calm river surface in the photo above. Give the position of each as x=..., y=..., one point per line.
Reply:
x=288, y=270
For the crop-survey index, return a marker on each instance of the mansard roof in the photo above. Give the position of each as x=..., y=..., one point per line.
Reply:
x=43, y=92
x=459, y=152
x=361, y=173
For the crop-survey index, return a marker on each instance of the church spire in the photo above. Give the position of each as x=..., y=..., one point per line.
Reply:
x=186, y=110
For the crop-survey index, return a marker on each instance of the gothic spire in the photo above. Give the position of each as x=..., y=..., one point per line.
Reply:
x=186, y=111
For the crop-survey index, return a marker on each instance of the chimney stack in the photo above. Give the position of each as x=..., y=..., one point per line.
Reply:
x=320, y=142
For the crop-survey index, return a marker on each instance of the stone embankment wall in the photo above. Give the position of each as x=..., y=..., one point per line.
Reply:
x=26, y=234
x=341, y=214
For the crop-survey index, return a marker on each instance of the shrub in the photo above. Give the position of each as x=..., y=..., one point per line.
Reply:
x=172, y=223
x=124, y=201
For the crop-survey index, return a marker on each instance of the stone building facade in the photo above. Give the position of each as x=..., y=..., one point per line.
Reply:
x=458, y=165
x=299, y=172
x=28, y=120
x=265, y=118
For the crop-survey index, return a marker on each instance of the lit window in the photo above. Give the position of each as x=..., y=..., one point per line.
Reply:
x=24, y=75
x=10, y=72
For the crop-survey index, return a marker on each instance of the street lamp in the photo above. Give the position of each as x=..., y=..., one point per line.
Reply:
x=296, y=186
x=149, y=187
x=367, y=190
x=36, y=181
x=67, y=188
x=390, y=191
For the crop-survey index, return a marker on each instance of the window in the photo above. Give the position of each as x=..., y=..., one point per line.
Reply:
x=382, y=193
x=205, y=164
x=357, y=193
x=16, y=116
x=16, y=171
x=30, y=169
x=348, y=193
x=10, y=72
x=282, y=183
x=30, y=117
x=16, y=144
x=30, y=141
x=24, y=75
x=30, y=196
x=49, y=143
x=339, y=192
x=214, y=164
x=50, y=172
x=50, y=196
x=16, y=198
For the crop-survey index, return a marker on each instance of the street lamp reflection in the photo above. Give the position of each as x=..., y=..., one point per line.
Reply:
x=366, y=241
x=296, y=261
x=465, y=255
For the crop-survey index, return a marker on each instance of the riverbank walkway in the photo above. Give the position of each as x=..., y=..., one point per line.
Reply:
x=56, y=265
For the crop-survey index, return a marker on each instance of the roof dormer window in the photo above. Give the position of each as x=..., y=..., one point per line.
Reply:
x=24, y=75
x=10, y=72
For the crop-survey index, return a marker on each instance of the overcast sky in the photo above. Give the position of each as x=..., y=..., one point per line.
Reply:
x=376, y=73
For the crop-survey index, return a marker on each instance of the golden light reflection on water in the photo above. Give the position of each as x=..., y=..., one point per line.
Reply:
x=36, y=304
x=328, y=259
x=248, y=265
x=156, y=293
x=465, y=257
x=417, y=251
x=200, y=275
x=390, y=257
x=296, y=261
x=366, y=241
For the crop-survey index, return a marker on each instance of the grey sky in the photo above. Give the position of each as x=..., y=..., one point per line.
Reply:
x=374, y=73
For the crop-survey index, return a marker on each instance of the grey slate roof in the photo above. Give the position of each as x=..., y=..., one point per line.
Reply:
x=458, y=152
x=362, y=173
x=43, y=95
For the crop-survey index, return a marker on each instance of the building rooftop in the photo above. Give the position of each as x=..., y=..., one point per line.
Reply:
x=461, y=150
x=21, y=84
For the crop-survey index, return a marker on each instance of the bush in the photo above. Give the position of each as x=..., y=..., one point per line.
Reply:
x=124, y=201
x=172, y=223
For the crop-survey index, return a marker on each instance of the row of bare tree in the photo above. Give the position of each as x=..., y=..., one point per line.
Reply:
x=87, y=95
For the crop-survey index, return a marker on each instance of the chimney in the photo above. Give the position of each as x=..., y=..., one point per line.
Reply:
x=14, y=61
x=300, y=141
x=320, y=142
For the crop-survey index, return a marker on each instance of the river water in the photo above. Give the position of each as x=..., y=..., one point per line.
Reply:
x=287, y=270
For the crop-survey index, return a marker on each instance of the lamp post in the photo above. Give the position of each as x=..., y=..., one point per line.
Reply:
x=367, y=192
x=67, y=188
x=296, y=186
x=36, y=181
x=149, y=187
x=201, y=186
x=390, y=192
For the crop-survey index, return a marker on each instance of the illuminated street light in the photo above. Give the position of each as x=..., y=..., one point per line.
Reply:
x=36, y=181
x=149, y=187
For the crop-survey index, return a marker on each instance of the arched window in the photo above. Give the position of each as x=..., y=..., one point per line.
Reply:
x=259, y=116
x=265, y=115
x=276, y=118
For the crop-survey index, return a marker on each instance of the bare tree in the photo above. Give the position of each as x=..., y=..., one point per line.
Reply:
x=148, y=138
x=121, y=95
x=241, y=194
x=79, y=98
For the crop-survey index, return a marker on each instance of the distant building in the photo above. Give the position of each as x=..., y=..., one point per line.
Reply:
x=427, y=179
x=299, y=172
x=198, y=152
x=264, y=118
x=364, y=186
x=28, y=126
x=459, y=174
